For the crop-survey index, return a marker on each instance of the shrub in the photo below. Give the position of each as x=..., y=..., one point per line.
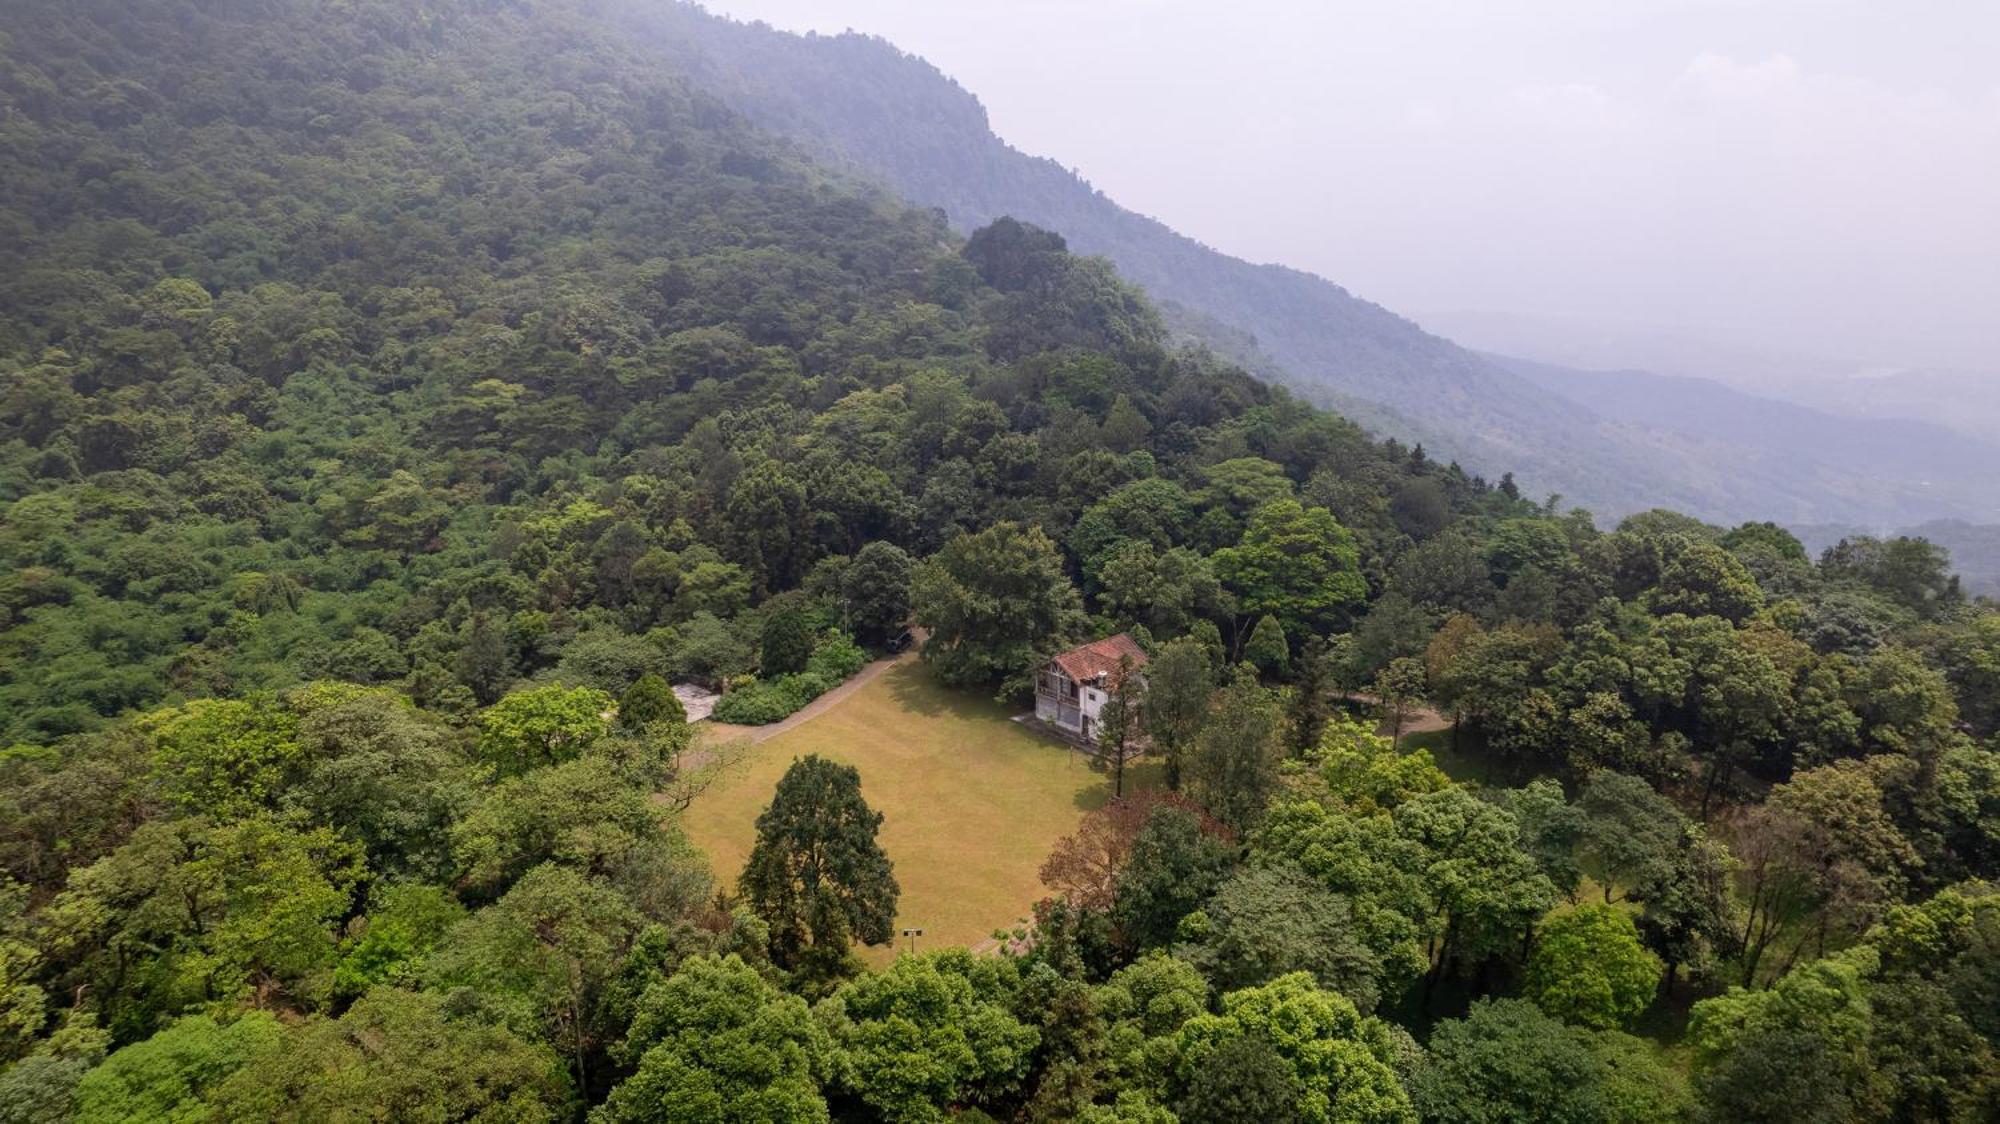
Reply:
x=836, y=658
x=756, y=702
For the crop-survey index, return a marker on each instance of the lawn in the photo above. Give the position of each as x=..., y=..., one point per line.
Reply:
x=971, y=802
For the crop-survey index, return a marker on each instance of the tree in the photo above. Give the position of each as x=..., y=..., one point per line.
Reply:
x=1153, y=513
x=876, y=589
x=1296, y=563
x=1233, y=767
x=647, y=701
x=383, y=773
x=1913, y=573
x=1339, y=1060
x=185, y=913
x=930, y=1031
x=1550, y=828
x=1487, y=889
x=225, y=757
x=1700, y=578
x=1393, y=627
x=1166, y=592
x=1631, y=835
x=542, y=726
x=404, y=924
x=398, y=1055
x=1267, y=648
x=767, y=517
x=1820, y=853
x=1506, y=1060
x=1971, y=659
x=1268, y=921
x=1179, y=682
x=1399, y=687
x=1688, y=915
x=484, y=661
x=1244, y=1079
x=716, y=1043
x=1012, y=255
x=583, y=815
x=787, y=644
x=816, y=870
x=544, y=958
x=169, y=1075
x=1175, y=865
x=1796, y=1051
x=1588, y=968
x=1365, y=774
x=994, y=602
x=1119, y=721
x=1310, y=704
x=1084, y=867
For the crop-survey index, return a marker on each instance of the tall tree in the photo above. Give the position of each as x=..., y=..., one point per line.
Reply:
x=1233, y=768
x=816, y=869
x=1310, y=704
x=1296, y=563
x=995, y=602
x=1119, y=722
x=1588, y=968
x=1399, y=688
x=1179, y=682
x=876, y=590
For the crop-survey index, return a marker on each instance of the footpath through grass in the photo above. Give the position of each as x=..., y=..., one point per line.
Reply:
x=971, y=802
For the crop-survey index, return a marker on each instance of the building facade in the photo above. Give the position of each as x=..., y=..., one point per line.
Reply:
x=1073, y=688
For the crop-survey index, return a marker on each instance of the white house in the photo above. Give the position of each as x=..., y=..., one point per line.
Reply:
x=1072, y=689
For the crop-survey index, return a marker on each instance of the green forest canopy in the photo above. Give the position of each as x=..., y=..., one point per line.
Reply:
x=386, y=394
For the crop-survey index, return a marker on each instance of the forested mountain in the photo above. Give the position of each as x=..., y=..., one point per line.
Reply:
x=394, y=396
x=895, y=117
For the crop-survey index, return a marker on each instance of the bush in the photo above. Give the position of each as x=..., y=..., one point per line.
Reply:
x=836, y=658
x=761, y=701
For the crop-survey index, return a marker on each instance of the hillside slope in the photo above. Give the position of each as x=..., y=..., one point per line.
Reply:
x=895, y=116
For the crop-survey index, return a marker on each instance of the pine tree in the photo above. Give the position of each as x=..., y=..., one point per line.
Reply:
x=816, y=872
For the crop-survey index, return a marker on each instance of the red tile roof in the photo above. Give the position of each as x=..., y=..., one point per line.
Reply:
x=1099, y=657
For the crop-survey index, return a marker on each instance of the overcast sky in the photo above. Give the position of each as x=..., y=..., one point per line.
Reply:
x=1818, y=176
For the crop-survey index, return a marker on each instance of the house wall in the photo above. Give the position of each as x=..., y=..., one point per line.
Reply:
x=1091, y=701
x=1051, y=707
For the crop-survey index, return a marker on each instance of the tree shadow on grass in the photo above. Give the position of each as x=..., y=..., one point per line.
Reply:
x=1144, y=774
x=917, y=691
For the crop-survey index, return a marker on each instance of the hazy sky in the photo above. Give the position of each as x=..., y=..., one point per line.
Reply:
x=1808, y=175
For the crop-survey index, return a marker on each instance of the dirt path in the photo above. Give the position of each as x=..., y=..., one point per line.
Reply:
x=727, y=733
x=723, y=731
x=1417, y=719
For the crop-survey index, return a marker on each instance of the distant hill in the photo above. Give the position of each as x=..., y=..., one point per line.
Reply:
x=891, y=115
x=1965, y=401
x=1913, y=469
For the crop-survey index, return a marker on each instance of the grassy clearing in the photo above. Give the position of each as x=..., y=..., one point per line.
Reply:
x=971, y=802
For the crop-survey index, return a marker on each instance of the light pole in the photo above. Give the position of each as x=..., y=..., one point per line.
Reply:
x=913, y=934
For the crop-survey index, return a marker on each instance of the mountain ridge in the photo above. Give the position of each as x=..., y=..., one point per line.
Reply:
x=862, y=102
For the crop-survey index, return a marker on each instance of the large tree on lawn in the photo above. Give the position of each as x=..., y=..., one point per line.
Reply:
x=816, y=873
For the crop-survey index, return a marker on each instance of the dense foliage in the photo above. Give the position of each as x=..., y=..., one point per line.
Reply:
x=394, y=404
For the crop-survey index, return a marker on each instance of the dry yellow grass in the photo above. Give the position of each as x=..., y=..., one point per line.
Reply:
x=970, y=802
